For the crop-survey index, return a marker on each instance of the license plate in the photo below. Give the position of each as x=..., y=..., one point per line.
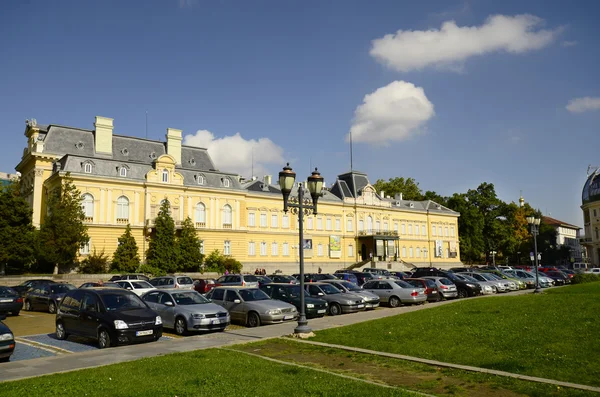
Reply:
x=288, y=317
x=217, y=321
x=321, y=311
x=361, y=306
x=143, y=333
x=5, y=300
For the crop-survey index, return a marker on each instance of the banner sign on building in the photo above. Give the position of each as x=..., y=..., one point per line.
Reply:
x=335, y=247
x=453, y=250
x=307, y=246
x=380, y=248
x=439, y=250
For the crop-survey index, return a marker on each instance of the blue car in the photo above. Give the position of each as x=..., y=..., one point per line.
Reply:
x=348, y=277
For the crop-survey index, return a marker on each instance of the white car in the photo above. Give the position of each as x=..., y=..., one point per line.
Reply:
x=595, y=270
x=138, y=287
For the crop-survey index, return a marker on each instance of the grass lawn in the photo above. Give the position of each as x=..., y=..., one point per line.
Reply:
x=214, y=372
x=551, y=335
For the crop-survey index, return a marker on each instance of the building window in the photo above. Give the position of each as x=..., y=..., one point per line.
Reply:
x=440, y=231
x=200, y=215
x=251, y=219
x=285, y=249
x=274, y=249
x=227, y=216
x=349, y=225
x=425, y=253
x=85, y=249
x=227, y=247
x=122, y=209
x=263, y=220
x=370, y=223
x=320, y=249
x=377, y=225
x=88, y=207
x=361, y=225
x=404, y=252
x=338, y=224
x=403, y=228
x=165, y=176
x=319, y=223
x=446, y=231
x=433, y=230
x=410, y=252
x=202, y=247
x=123, y=171
x=263, y=249
x=328, y=224
x=200, y=179
x=418, y=252
x=252, y=248
x=87, y=168
x=309, y=223
x=396, y=227
x=423, y=230
x=225, y=182
x=385, y=226
x=285, y=221
x=409, y=229
x=274, y=220
x=350, y=251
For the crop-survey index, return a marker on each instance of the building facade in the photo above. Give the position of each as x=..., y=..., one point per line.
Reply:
x=567, y=235
x=590, y=198
x=124, y=179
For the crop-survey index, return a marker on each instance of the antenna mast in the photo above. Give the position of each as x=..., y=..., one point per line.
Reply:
x=351, y=150
x=146, y=124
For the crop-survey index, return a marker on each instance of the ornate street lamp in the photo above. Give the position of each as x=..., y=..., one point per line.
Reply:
x=534, y=223
x=300, y=206
x=493, y=257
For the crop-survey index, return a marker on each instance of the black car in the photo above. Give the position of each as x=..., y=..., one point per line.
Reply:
x=110, y=315
x=102, y=284
x=46, y=297
x=29, y=284
x=263, y=280
x=7, y=341
x=281, y=278
x=10, y=301
x=362, y=277
x=290, y=293
x=464, y=288
x=559, y=278
x=315, y=277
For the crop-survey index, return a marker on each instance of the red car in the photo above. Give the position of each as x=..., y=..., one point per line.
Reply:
x=431, y=289
x=204, y=285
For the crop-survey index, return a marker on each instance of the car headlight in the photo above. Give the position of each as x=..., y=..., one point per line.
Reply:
x=7, y=336
x=274, y=311
x=198, y=316
x=120, y=324
x=158, y=321
x=470, y=285
x=310, y=306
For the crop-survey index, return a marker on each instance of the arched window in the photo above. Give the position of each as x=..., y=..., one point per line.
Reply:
x=87, y=204
x=226, y=216
x=225, y=182
x=87, y=168
x=122, y=209
x=165, y=175
x=369, y=223
x=200, y=179
x=200, y=216
x=123, y=171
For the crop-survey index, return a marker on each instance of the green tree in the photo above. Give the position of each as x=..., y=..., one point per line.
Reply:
x=16, y=230
x=162, y=250
x=217, y=262
x=489, y=205
x=95, y=263
x=433, y=196
x=408, y=187
x=62, y=232
x=190, y=258
x=470, y=227
x=126, y=258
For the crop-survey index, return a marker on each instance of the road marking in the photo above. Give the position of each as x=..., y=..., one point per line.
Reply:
x=43, y=346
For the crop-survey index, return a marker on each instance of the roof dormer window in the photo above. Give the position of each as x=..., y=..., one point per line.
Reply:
x=226, y=182
x=123, y=171
x=200, y=179
x=165, y=175
x=87, y=168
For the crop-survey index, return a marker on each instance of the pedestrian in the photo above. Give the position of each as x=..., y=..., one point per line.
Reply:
x=226, y=272
x=256, y=272
x=320, y=270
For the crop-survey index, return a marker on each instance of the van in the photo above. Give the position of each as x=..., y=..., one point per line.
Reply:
x=580, y=266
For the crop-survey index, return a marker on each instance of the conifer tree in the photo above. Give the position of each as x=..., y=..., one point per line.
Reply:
x=126, y=258
x=190, y=258
x=162, y=251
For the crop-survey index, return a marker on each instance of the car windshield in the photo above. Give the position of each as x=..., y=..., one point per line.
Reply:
x=452, y=276
x=61, y=288
x=189, y=298
x=468, y=278
x=264, y=279
x=250, y=279
x=249, y=295
x=351, y=286
x=495, y=277
x=141, y=284
x=7, y=291
x=329, y=289
x=445, y=281
x=118, y=302
x=487, y=277
x=293, y=292
x=184, y=280
x=403, y=284
x=285, y=278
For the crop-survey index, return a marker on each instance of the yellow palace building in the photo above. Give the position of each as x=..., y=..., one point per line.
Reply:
x=123, y=180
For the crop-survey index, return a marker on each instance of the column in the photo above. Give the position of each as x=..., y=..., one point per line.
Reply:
x=136, y=209
x=108, y=206
x=38, y=185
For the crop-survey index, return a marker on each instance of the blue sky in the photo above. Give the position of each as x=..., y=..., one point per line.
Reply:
x=451, y=104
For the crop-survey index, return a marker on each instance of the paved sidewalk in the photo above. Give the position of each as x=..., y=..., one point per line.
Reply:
x=89, y=359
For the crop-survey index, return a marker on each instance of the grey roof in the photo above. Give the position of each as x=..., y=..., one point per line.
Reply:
x=355, y=181
x=66, y=140
x=260, y=186
x=196, y=158
x=136, y=150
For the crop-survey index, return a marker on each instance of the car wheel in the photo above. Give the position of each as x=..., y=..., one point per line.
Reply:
x=16, y=313
x=103, y=339
x=60, y=331
x=4, y=359
x=253, y=320
x=394, y=301
x=180, y=326
x=28, y=307
x=52, y=307
x=335, y=309
x=462, y=293
x=439, y=297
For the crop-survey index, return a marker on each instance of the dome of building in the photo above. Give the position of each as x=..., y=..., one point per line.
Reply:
x=591, y=189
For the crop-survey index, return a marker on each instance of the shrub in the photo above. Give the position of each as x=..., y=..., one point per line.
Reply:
x=581, y=278
x=95, y=263
x=153, y=271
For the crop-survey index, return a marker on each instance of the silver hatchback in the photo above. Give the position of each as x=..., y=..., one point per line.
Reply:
x=165, y=282
x=396, y=292
x=240, y=280
x=446, y=287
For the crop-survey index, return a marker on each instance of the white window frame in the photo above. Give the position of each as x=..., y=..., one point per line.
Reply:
x=285, y=221
x=446, y=231
x=200, y=213
x=165, y=175
x=418, y=252
x=404, y=252
x=200, y=179
x=252, y=248
x=350, y=251
x=87, y=168
x=227, y=214
x=251, y=219
x=285, y=248
x=263, y=248
x=440, y=231
x=338, y=224
x=319, y=223
x=85, y=249
x=361, y=225
x=320, y=249
x=385, y=226
x=423, y=230
x=202, y=247
x=226, y=182
x=226, y=247
x=274, y=249
x=410, y=229
x=122, y=207
x=274, y=220
x=88, y=205
x=433, y=230
x=404, y=228
x=123, y=171
x=309, y=223
x=350, y=224
x=328, y=225
x=263, y=219
x=410, y=252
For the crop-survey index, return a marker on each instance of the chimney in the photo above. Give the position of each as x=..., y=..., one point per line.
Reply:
x=103, y=135
x=400, y=196
x=267, y=179
x=382, y=194
x=174, y=144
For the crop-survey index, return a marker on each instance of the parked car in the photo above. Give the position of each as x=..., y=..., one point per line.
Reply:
x=29, y=284
x=315, y=277
x=362, y=277
x=595, y=270
x=377, y=273
x=400, y=275
x=545, y=282
x=46, y=297
x=290, y=293
x=263, y=280
x=251, y=306
x=185, y=310
x=202, y=285
x=338, y=301
x=109, y=315
x=164, y=282
x=347, y=277
x=138, y=287
x=446, y=287
x=430, y=287
x=371, y=300
x=511, y=285
x=486, y=277
x=464, y=289
x=103, y=284
x=10, y=301
x=130, y=277
x=242, y=280
x=7, y=341
x=282, y=278
x=500, y=273
x=396, y=292
x=487, y=287
x=521, y=275
x=559, y=278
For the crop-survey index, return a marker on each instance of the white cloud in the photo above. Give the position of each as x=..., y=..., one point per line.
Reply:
x=395, y=112
x=452, y=45
x=236, y=154
x=568, y=43
x=187, y=3
x=585, y=104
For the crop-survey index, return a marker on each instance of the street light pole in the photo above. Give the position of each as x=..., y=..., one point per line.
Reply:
x=493, y=258
x=426, y=251
x=300, y=206
x=534, y=223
